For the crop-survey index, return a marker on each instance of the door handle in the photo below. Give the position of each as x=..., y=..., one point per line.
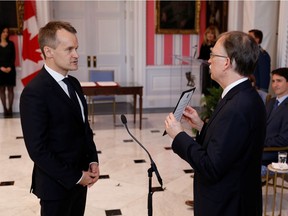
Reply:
x=88, y=61
x=94, y=61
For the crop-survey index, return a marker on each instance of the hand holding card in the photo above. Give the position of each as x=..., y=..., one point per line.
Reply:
x=182, y=103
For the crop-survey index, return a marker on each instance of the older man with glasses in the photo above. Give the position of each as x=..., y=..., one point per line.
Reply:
x=226, y=155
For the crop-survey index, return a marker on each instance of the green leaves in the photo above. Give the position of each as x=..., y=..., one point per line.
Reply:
x=209, y=102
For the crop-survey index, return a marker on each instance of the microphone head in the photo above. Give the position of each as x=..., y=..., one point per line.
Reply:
x=123, y=119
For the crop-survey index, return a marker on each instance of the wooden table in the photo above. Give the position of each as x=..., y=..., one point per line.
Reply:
x=120, y=89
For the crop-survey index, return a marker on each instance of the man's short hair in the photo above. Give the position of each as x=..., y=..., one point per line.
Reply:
x=281, y=72
x=242, y=50
x=47, y=34
x=257, y=34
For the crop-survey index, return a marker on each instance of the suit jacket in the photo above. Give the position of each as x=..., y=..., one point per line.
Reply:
x=226, y=156
x=58, y=141
x=277, y=124
x=262, y=70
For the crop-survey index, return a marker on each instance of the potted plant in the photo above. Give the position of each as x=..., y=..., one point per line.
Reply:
x=209, y=102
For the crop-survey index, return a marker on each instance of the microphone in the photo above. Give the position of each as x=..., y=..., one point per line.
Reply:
x=123, y=119
x=153, y=165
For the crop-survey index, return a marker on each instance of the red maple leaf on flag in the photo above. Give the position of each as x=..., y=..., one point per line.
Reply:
x=30, y=47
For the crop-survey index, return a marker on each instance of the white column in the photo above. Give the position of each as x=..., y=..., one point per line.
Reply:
x=282, y=46
x=140, y=41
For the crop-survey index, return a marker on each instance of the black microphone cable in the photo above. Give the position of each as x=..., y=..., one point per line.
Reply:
x=124, y=121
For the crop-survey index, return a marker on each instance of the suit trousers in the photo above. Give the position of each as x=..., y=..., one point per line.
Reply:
x=72, y=205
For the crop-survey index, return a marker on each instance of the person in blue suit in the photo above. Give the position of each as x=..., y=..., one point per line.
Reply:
x=263, y=67
x=227, y=153
x=277, y=115
x=56, y=130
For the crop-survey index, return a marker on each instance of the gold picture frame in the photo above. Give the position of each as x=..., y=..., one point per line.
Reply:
x=11, y=15
x=177, y=17
x=217, y=14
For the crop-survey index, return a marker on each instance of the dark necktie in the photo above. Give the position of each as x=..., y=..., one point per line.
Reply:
x=72, y=93
x=275, y=104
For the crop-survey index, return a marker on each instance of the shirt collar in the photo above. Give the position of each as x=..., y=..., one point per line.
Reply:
x=281, y=99
x=57, y=76
x=229, y=87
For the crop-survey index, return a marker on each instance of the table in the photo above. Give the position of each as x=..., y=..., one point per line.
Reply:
x=119, y=89
x=271, y=170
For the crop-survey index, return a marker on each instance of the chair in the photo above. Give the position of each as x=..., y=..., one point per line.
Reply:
x=274, y=149
x=97, y=76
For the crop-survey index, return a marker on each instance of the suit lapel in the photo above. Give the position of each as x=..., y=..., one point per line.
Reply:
x=58, y=91
x=79, y=92
x=270, y=111
x=223, y=101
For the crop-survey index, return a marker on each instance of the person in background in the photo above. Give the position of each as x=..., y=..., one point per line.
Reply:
x=210, y=36
x=277, y=116
x=7, y=71
x=263, y=67
x=227, y=153
x=55, y=126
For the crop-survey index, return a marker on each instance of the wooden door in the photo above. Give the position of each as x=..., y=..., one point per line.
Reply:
x=101, y=34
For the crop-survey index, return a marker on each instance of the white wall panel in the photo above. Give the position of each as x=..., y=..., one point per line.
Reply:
x=108, y=37
x=108, y=6
x=164, y=85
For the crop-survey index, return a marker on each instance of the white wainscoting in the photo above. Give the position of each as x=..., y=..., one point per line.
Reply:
x=164, y=85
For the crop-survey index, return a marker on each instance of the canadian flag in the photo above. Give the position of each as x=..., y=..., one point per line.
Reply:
x=32, y=61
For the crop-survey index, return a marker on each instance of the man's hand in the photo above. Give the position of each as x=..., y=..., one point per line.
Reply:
x=172, y=126
x=191, y=116
x=89, y=178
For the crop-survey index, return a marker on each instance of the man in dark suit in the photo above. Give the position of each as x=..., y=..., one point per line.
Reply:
x=56, y=131
x=263, y=67
x=226, y=155
x=277, y=115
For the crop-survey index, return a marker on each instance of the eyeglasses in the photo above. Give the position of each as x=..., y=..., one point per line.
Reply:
x=215, y=55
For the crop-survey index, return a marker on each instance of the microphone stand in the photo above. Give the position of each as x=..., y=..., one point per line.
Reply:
x=150, y=192
x=153, y=168
x=150, y=171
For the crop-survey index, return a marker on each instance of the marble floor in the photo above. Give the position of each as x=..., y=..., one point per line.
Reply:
x=123, y=187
